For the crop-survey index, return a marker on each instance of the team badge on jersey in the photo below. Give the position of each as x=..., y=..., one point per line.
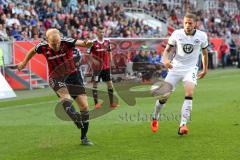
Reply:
x=188, y=48
x=197, y=41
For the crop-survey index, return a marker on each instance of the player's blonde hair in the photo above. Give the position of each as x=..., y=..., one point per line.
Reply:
x=52, y=32
x=190, y=15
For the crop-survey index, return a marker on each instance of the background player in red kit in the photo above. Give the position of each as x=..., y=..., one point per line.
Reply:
x=101, y=52
x=64, y=77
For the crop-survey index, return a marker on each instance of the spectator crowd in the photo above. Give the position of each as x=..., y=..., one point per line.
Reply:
x=29, y=19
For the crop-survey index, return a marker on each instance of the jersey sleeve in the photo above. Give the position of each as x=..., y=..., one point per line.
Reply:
x=205, y=41
x=39, y=48
x=69, y=41
x=172, y=39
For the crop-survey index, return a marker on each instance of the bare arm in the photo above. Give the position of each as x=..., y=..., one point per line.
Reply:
x=92, y=59
x=29, y=55
x=205, y=63
x=81, y=43
x=166, y=53
x=110, y=57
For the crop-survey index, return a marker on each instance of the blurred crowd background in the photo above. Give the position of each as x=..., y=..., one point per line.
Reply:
x=29, y=19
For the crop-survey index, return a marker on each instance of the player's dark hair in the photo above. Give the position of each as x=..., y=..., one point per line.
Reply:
x=191, y=15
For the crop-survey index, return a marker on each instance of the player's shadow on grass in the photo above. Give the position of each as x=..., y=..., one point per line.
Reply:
x=128, y=91
x=94, y=113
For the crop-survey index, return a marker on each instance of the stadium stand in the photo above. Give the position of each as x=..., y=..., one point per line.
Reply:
x=28, y=19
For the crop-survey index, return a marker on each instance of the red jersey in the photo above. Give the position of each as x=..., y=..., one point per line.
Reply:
x=222, y=50
x=101, y=52
x=60, y=63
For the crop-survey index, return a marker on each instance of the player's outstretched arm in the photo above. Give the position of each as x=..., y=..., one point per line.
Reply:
x=110, y=56
x=205, y=64
x=166, y=54
x=29, y=55
x=81, y=43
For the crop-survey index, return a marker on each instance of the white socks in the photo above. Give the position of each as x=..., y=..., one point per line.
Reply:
x=157, y=109
x=186, y=111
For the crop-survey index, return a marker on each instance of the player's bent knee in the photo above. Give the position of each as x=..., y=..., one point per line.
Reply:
x=109, y=85
x=82, y=102
x=163, y=99
x=84, y=108
x=189, y=94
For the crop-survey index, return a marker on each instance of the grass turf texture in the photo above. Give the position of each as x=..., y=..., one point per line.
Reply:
x=30, y=130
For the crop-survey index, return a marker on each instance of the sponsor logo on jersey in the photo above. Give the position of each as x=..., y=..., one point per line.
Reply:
x=188, y=48
x=100, y=50
x=57, y=56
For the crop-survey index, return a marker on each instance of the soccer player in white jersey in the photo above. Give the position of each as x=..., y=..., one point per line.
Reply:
x=189, y=43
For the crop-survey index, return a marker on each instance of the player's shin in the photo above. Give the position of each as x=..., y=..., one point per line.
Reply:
x=95, y=95
x=85, y=122
x=110, y=94
x=186, y=110
x=158, y=106
x=71, y=112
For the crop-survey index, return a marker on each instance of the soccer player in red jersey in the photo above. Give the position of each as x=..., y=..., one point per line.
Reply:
x=101, y=52
x=64, y=77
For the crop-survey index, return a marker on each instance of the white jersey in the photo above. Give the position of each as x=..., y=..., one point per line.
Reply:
x=188, y=49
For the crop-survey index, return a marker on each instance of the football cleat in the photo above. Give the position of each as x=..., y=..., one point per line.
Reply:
x=183, y=130
x=98, y=105
x=114, y=105
x=86, y=141
x=154, y=125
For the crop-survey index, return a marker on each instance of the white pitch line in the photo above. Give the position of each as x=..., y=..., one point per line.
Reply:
x=26, y=105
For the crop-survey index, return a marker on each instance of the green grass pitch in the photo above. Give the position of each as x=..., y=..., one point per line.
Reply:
x=29, y=129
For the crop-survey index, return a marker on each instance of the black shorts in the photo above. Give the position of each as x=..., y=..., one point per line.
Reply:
x=73, y=82
x=105, y=75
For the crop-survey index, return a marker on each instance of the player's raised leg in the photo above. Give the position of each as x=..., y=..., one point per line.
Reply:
x=173, y=79
x=68, y=106
x=155, y=117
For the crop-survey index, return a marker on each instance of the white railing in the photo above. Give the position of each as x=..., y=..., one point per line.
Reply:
x=141, y=10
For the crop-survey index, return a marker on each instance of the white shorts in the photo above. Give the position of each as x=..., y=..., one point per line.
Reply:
x=188, y=76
